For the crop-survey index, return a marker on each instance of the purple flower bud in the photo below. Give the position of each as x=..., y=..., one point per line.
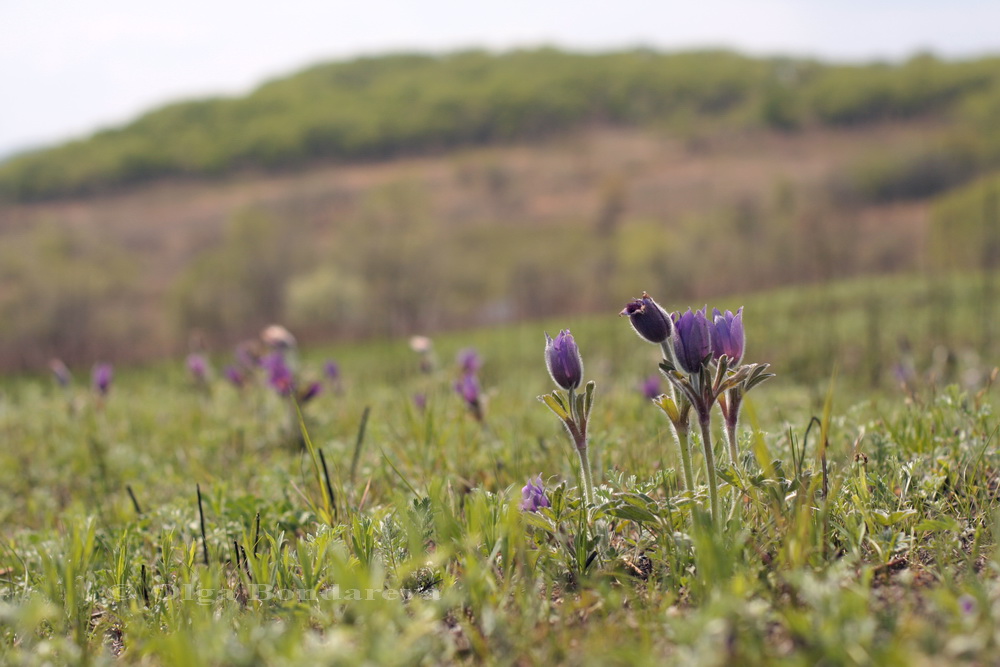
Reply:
x=279, y=376
x=197, y=365
x=101, y=377
x=60, y=372
x=235, y=376
x=469, y=361
x=562, y=358
x=533, y=496
x=693, y=340
x=727, y=335
x=468, y=389
x=332, y=370
x=967, y=604
x=650, y=387
x=310, y=392
x=648, y=319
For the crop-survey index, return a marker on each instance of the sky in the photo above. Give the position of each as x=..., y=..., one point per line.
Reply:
x=68, y=68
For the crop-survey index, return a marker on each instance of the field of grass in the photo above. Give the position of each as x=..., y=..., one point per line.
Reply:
x=865, y=536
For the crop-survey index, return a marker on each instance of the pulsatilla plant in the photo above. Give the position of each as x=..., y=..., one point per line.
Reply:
x=702, y=361
x=565, y=365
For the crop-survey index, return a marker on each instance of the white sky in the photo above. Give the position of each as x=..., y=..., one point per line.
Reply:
x=68, y=67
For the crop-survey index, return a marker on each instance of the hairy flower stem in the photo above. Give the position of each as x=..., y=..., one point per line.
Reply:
x=683, y=437
x=579, y=434
x=713, y=482
x=586, y=475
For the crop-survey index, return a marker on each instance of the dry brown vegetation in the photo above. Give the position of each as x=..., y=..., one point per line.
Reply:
x=471, y=237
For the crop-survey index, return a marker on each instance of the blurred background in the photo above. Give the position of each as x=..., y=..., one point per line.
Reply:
x=385, y=169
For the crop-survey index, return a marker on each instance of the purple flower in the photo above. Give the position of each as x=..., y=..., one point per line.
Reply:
x=533, y=495
x=562, y=358
x=727, y=335
x=420, y=401
x=60, y=372
x=332, y=370
x=469, y=361
x=310, y=392
x=235, y=376
x=197, y=365
x=279, y=376
x=101, y=377
x=468, y=389
x=693, y=340
x=967, y=604
x=648, y=319
x=650, y=387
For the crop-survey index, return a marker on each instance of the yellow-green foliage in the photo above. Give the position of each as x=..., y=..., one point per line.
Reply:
x=965, y=227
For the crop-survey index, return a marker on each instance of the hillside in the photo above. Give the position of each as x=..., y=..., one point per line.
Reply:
x=699, y=200
x=391, y=106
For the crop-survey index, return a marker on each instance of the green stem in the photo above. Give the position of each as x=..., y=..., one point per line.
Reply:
x=586, y=475
x=683, y=437
x=713, y=482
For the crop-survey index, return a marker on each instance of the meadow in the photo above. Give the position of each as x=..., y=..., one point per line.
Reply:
x=176, y=520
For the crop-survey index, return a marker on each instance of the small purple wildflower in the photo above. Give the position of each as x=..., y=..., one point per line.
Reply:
x=693, y=340
x=533, y=496
x=562, y=358
x=197, y=365
x=728, y=337
x=649, y=320
x=235, y=376
x=420, y=401
x=469, y=361
x=101, y=377
x=60, y=372
x=279, y=376
x=468, y=389
x=967, y=604
x=650, y=387
x=332, y=370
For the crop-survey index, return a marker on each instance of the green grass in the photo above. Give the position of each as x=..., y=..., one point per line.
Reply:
x=887, y=558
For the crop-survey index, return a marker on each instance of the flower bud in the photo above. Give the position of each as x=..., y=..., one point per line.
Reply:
x=648, y=319
x=693, y=340
x=562, y=358
x=101, y=377
x=727, y=335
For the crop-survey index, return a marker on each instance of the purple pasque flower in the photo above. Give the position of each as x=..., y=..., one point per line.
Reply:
x=235, y=376
x=279, y=375
x=650, y=387
x=692, y=340
x=101, y=377
x=728, y=337
x=648, y=318
x=562, y=358
x=469, y=361
x=533, y=496
x=197, y=365
x=468, y=389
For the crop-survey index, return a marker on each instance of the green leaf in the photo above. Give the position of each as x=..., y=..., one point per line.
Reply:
x=555, y=404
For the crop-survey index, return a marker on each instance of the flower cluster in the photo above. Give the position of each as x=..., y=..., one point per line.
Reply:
x=702, y=361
